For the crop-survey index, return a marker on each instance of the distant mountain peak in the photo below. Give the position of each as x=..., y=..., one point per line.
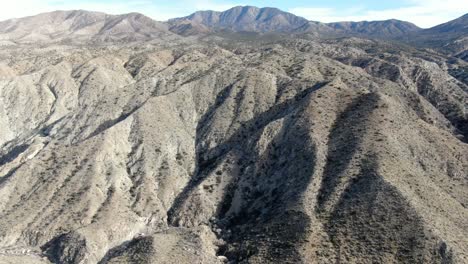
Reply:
x=245, y=18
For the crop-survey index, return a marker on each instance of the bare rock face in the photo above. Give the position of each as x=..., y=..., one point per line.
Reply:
x=212, y=150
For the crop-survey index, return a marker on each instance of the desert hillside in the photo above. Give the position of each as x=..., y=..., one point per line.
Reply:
x=126, y=140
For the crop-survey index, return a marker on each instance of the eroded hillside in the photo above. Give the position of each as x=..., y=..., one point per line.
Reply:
x=300, y=151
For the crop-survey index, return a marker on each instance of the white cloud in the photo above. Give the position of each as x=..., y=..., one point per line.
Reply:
x=424, y=13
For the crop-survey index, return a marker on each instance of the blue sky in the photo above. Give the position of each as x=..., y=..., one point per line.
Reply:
x=424, y=13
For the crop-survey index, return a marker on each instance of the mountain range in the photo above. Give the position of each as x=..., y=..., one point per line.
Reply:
x=245, y=136
x=80, y=25
x=253, y=19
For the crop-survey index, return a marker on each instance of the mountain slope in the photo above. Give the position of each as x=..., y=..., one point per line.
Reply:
x=369, y=29
x=80, y=25
x=459, y=25
x=386, y=28
x=450, y=37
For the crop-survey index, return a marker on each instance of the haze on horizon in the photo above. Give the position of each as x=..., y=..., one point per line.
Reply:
x=423, y=13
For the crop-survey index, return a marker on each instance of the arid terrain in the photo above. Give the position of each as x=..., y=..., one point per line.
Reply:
x=245, y=136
